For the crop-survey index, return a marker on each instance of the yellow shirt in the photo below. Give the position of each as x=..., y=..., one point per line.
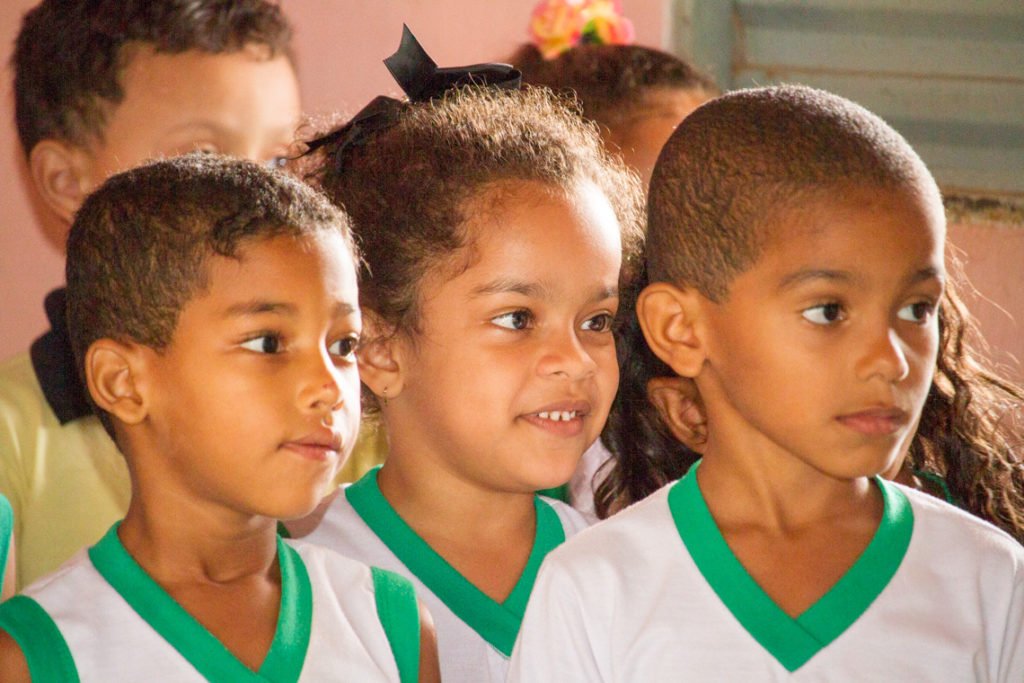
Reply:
x=68, y=483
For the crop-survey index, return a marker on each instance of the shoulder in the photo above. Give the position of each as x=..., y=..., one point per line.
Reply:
x=629, y=537
x=321, y=560
x=71, y=579
x=941, y=528
x=20, y=393
x=572, y=520
x=338, y=522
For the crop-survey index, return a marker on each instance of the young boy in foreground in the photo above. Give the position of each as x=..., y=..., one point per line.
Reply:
x=214, y=316
x=796, y=261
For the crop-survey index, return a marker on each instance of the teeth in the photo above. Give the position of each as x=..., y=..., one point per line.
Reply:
x=557, y=416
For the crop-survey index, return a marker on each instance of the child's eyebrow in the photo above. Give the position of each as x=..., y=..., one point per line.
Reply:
x=802, y=276
x=508, y=285
x=259, y=307
x=930, y=273
x=533, y=289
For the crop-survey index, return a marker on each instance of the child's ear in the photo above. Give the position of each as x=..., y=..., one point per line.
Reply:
x=670, y=319
x=60, y=171
x=381, y=357
x=680, y=408
x=112, y=371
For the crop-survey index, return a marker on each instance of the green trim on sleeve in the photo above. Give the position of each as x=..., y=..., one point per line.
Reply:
x=496, y=623
x=46, y=652
x=6, y=534
x=399, y=614
x=792, y=641
x=197, y=645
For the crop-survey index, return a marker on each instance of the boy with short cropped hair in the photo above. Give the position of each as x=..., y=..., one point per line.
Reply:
x=214, y=317
x=102, y=86
x=796, y=263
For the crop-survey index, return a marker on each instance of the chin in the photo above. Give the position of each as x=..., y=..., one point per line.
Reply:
x=289, y=510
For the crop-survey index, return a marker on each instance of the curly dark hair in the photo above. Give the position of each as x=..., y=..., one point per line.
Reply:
x=611, y=82
x=645, y=454
x=69, y=54
x=970, y=428
x=726, y=172
x=407, y=186
x=139, y=245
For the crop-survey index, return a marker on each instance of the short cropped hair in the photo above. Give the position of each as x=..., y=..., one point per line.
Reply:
x=740, y=160
x=410, y=187
x=69, y=54
x=139, y=247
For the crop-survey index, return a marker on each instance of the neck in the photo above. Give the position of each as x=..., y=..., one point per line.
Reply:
x=776, y=498
x=749, y=480
x=437, y=501
x=177, y=539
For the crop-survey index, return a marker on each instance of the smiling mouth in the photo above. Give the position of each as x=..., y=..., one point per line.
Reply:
x=558, y=415
x=563, y=419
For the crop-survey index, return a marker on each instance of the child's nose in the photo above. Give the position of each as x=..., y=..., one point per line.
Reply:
x=565, y=355
x=885, y=357
x=320, y=388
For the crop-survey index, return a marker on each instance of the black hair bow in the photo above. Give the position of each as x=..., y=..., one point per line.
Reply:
x=421, y=80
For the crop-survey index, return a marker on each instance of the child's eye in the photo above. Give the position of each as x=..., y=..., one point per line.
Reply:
x=599, y=323
x=344, y=348
x=514, y=320
x=265, y=343
x=824, y=314
x=918, y=312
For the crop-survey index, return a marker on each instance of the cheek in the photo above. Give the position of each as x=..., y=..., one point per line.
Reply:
x=923, y=357
x=607, y=371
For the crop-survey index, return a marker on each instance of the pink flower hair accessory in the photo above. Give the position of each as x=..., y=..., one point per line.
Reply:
x=558, y=25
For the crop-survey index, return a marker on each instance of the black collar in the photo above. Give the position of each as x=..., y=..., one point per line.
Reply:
x=55, y=364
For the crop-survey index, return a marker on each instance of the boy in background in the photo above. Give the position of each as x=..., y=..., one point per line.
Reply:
x=101, y=87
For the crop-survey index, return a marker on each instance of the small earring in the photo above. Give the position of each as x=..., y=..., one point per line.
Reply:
x=384, y=395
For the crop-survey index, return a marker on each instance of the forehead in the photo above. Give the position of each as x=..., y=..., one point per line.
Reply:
x=285, y=265
x=512, y=213
x=529, y=230
x=857, y=228
x=243, y=89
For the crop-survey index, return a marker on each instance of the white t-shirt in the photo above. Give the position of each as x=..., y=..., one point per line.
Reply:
x=585, y=481
x=119, y=625
x=465, y=652
x=936, y=596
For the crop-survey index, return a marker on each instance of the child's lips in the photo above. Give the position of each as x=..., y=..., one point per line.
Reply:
x=564, y=418
x=320, y=445
x=876, y=421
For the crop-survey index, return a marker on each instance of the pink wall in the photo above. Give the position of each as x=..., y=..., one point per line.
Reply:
x=340, y=47
x=994, y=252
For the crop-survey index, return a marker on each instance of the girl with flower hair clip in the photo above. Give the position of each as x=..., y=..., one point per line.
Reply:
x=637, y=95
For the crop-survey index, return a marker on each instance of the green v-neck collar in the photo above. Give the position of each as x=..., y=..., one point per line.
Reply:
x=198, y=646
x=497, y=623
x=792, y=641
